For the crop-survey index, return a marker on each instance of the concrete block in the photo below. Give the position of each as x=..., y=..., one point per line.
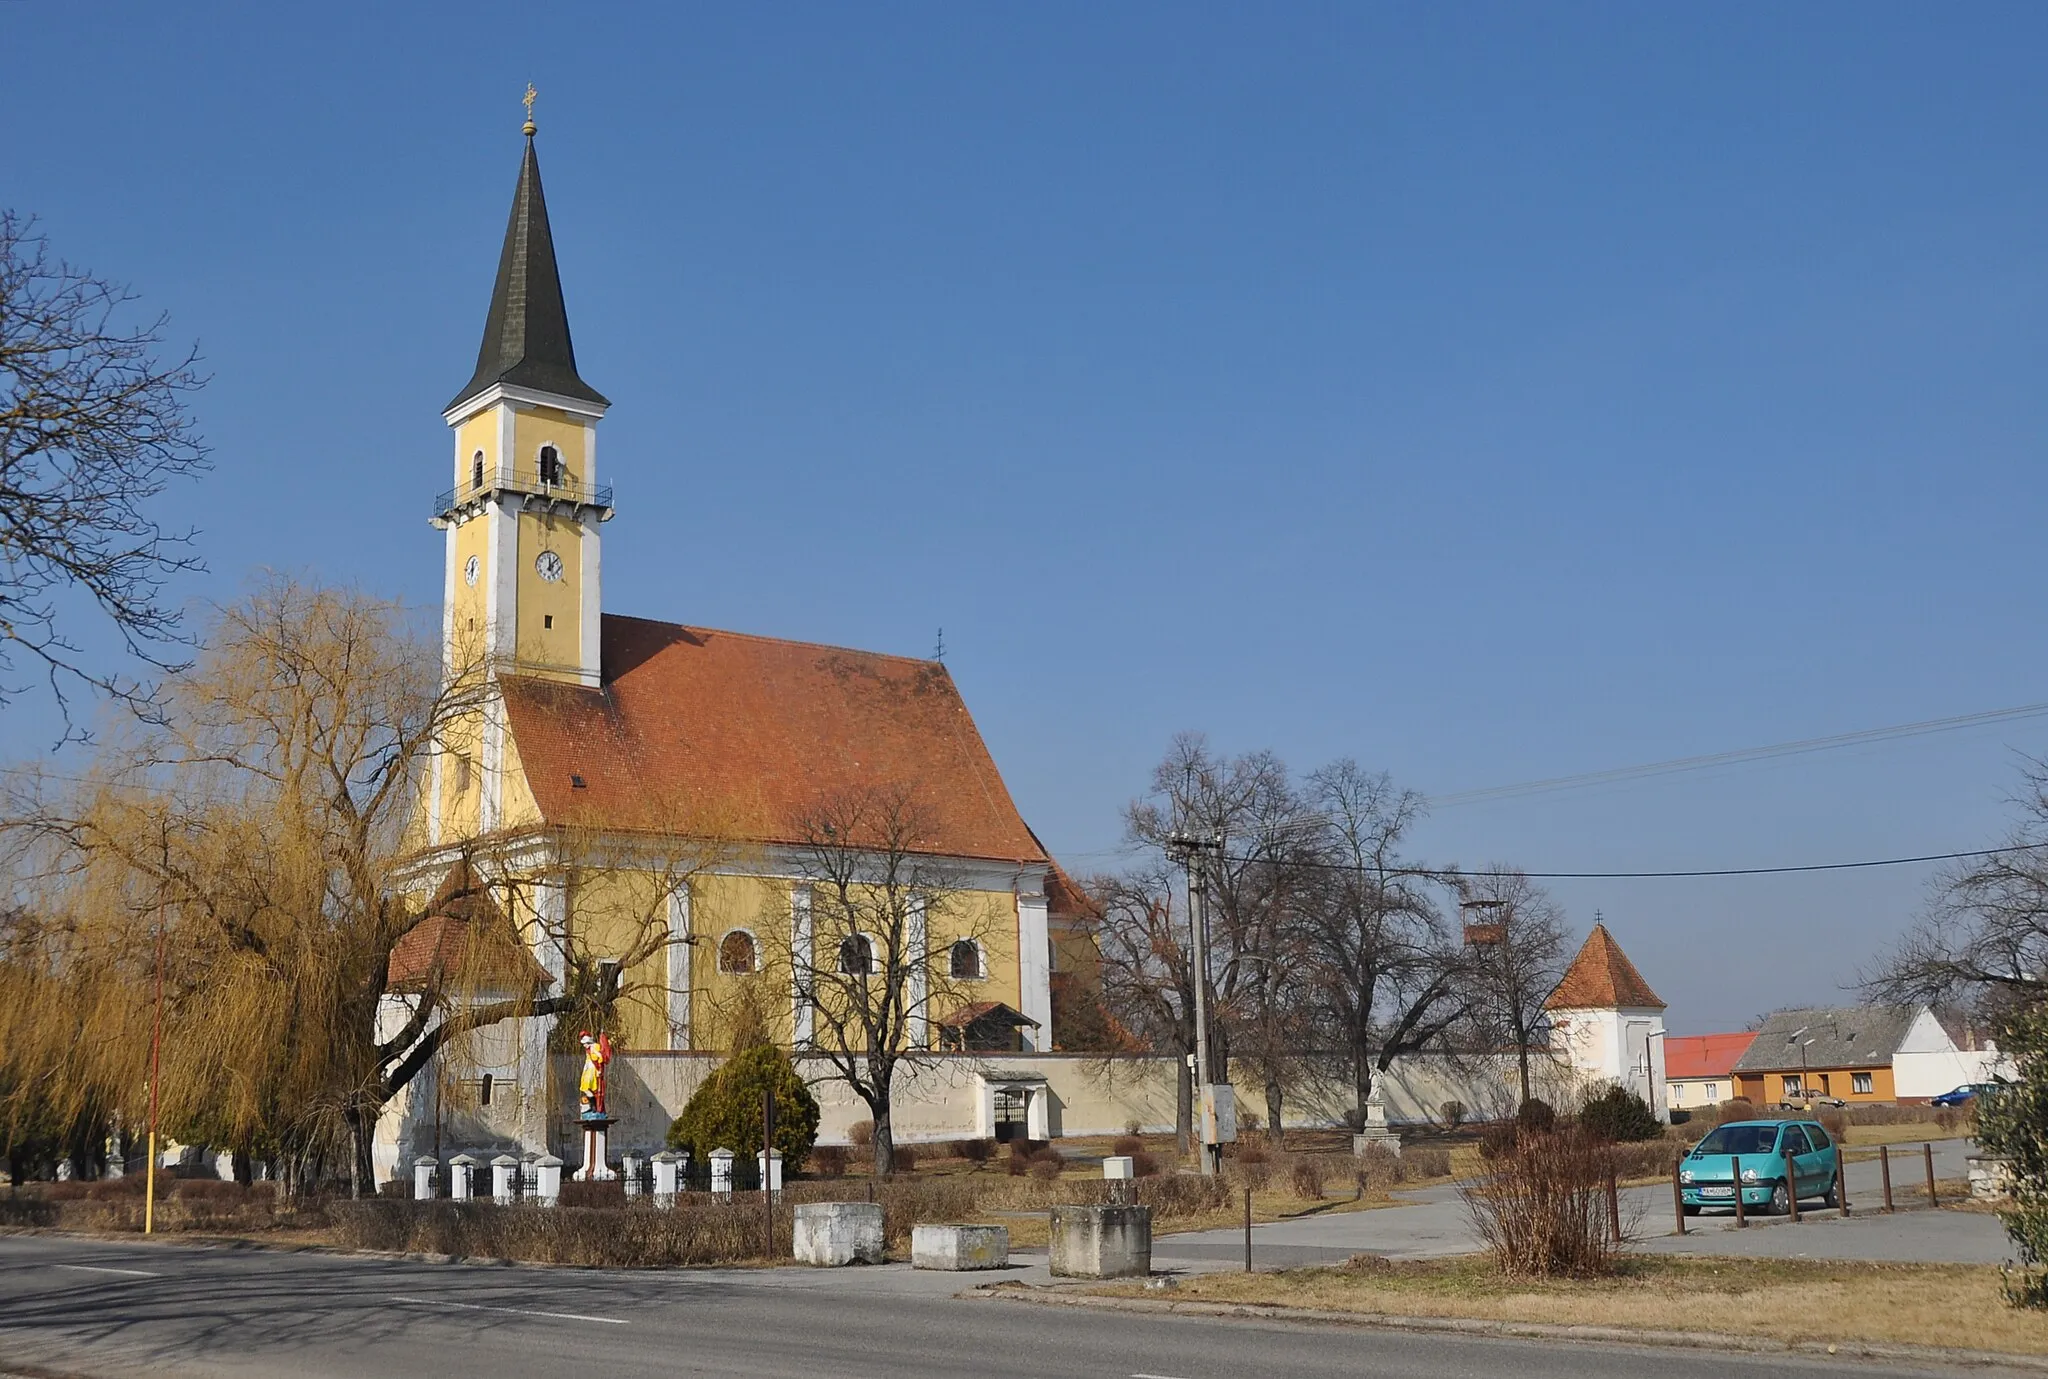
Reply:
x=1119, y=1166
x=959, y=1247
x=1101, y=1241
x=1990, y=1177
x=836, y=1233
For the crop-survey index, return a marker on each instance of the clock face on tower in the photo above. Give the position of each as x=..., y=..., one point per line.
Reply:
x=548, y=566
x=469, y=571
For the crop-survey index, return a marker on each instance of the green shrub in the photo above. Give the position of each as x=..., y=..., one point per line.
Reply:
x=1535, y=1114
x=725, y=1112
x=1619, y=1116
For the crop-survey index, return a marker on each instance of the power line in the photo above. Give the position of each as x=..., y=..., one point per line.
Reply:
x=1742, y=755
x=1448, y=874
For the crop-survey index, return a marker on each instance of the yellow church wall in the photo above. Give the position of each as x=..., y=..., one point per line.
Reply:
x=472, y=538
x=540, y=644
x=720, y=903
x=461, y=785
x=479, y=432
x=537, y=426
x=516, y=806
x=615, y=913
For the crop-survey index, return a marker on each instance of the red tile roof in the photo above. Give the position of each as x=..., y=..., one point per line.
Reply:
x=1602, y=978
x=752, y=731
x=462, y=938
x=1704, y=1055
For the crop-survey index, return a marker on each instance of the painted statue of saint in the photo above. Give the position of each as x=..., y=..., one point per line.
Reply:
x=597, y=1056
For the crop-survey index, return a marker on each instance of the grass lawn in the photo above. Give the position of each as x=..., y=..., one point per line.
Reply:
x=1787, y=1300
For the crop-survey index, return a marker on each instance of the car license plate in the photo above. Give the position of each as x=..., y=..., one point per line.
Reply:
x=1721, y=1191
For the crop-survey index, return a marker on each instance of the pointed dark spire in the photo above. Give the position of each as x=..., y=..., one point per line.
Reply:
x=526, y=336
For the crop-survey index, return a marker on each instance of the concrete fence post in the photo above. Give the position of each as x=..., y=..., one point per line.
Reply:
x=461, y=1177
x=631, y=1165
x=504, y=1170
x=770, y=1166
x=721, y=1171
x=424, y=1169
x=548, y=1185
x=665, y=1178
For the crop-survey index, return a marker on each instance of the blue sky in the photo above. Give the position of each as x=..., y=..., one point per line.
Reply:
x=1484, y=392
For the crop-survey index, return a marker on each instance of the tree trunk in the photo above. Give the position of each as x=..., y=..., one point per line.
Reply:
x=1273, y=1109
x=885, y=1140
x=1522, y=1050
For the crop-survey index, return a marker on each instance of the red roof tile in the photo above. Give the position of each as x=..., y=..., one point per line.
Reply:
x=1602, y=978
x=752, y=731
x=1704, y=1055
x=462, y=937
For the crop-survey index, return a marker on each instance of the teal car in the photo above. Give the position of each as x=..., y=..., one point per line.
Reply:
x=1749, y=1156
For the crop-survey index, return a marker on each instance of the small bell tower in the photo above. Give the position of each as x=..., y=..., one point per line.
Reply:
x=523, y=577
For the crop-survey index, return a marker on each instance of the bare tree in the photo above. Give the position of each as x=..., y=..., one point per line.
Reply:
x=93, y=425
x=1983, y=940
x=1148, y=975
x=1249, y=802
x=1515, y=935
x=869, y=973
x=1389, y=978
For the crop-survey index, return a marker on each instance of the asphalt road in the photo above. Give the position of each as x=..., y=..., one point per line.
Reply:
x=77, y=1307
x=1435, y=1223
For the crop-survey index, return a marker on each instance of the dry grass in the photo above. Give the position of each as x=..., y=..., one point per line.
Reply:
x=1910, y=1132
x=1786, y=1300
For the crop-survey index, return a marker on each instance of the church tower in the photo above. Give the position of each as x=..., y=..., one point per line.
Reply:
x=523, y=576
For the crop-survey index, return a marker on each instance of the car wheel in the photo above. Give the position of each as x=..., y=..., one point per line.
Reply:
x=1781, y=1200
x=1833, y=1196
x=1691, y=1210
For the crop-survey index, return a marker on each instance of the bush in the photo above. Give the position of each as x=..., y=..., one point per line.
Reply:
x=1836, y=1124
x=1045, y=1170
x=1619, y=1116
x=1644, y=1159
x=1132, y=1126
x=1306, y=1178
x=1427, y=1162
x=597, y=1195
x=1182, y=1194
x=1497, y=1139
x=1381, y=1166
x=1541, y=1207
x=1127, y=1145
x=1452, y=1114
x=905, y=1157
x=861, y=1135
x=976, y=1151
x=1144, y=1165
x=829, y=1160
x=725, y=1111
x=1536, y=1114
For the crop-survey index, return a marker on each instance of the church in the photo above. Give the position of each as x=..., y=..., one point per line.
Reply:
x=697, y=762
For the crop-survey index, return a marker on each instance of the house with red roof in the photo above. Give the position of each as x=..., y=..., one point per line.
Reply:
x=1699, y=1069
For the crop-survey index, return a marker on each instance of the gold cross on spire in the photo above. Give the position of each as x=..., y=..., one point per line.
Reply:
x=530, y=94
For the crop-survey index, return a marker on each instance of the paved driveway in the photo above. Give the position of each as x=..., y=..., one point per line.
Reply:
x=1435, y=1223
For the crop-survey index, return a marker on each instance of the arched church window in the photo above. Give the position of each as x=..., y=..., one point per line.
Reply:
x=856, y=956
x=476, y=470
x=966, y=960
x=737, y=952
x=550, y=466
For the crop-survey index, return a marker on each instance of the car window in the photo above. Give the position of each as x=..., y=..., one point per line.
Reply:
x=1740, y=1139
x=1817, y=1137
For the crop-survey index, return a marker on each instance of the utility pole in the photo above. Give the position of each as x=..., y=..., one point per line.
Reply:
x=156, y=1047
x=1191, y=852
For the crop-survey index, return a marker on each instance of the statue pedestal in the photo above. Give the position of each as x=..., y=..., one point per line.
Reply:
x=596, y=1150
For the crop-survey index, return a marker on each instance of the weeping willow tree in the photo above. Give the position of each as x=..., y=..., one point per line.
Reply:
x=258, y=839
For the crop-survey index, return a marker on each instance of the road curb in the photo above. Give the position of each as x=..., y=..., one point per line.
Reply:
x=1479, y=1326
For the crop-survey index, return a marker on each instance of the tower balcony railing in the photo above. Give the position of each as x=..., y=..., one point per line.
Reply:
x=582, y=495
